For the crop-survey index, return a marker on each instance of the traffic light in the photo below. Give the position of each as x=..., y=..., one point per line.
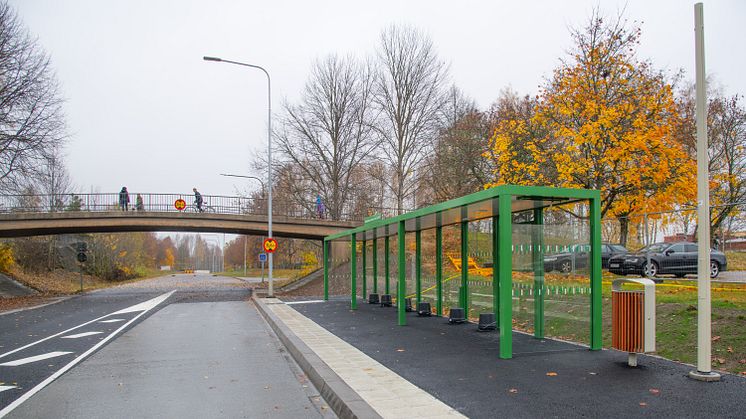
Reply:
x=82, y=249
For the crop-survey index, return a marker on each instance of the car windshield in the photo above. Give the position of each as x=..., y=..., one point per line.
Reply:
x=655, y=248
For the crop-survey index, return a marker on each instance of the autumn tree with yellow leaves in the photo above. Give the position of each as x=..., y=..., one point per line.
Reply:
x=604, y=120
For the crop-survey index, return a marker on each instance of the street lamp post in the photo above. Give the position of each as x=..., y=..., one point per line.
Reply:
x=270, y=292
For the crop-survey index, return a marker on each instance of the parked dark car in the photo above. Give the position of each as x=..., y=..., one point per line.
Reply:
x=678, y=259
x=578, y=257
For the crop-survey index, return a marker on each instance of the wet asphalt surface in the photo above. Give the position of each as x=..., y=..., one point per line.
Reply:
x=172, y=318
x=546, y=378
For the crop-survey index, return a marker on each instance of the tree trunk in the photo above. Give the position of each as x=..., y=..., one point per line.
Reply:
x=623, y=230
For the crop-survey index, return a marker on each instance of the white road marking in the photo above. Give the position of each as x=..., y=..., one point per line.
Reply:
x=35, y=358
x=160, y=298
x=3, y=388
x=17, y=402
x=145, y=305
x=81, y=335
x=111, y=321
x=303, y=302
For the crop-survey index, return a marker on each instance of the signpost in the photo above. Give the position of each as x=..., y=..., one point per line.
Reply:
x=180, y=204
x=262, y=259
x=82, y=258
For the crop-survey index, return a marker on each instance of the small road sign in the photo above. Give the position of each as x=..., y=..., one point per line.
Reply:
x=270, y=245
x=180, y=204
x=262, y=257
x=82, y=257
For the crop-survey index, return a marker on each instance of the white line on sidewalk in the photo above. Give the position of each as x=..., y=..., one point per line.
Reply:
x=303, y=302
x=17, y=402
x=79, y=326
x=34, y=358
x=81, y=335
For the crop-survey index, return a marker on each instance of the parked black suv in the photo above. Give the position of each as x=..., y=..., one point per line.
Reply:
x=666, y=258
x=578, y=257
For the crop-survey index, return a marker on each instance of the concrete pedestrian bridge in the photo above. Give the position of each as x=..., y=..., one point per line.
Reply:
x=25, y=215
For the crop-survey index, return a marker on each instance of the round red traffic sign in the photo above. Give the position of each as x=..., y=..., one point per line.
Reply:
x=270, y=245
x=180, y=204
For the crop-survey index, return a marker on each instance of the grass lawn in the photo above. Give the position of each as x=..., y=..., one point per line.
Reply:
x=736, y=260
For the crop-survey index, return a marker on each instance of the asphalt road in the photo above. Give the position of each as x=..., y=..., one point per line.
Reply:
x=176, y=346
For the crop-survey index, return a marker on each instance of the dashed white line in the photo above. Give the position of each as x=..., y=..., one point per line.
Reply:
x=112, y=321
x=34, y=358
x=81, y=335
x=17, y=402
x=3, y=388
x=136, y=307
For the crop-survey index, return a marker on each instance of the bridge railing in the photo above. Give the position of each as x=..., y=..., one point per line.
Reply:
x=165, y=202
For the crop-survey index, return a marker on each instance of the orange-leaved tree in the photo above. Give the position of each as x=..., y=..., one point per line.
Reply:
x=603, y=121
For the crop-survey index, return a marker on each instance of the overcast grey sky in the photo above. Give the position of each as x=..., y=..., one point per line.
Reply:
x=145, y=111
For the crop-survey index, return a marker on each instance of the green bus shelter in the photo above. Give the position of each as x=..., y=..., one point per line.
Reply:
x=500, y=204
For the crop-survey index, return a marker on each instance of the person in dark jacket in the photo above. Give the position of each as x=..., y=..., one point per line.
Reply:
x=198, y=199
x=124, y=199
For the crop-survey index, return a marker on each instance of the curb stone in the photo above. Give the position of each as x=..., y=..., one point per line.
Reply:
x=343, y=400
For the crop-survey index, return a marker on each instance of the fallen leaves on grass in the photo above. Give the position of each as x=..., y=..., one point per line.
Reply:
x=715, y=338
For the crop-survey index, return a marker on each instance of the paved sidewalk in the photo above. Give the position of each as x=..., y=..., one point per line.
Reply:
x=390, y=395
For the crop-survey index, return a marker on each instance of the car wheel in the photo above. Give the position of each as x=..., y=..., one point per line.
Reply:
x=565, y=266
x=714, y=269
x=650, y=271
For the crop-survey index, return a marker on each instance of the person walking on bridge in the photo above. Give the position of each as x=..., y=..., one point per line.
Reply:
x=139, y=204
x=198, y=200
x=124, y=199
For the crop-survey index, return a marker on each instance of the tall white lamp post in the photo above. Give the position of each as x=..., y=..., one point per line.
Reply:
x=270, y=292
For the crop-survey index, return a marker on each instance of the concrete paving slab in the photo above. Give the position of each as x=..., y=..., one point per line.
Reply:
x=387, y=393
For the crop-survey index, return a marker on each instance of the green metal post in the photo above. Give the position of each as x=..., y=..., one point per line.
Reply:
x=326, y=245
x=353, y=271
x=418, y=264
x=439, y=270
x=375, y=266
x=464, y=289
x=365, y=273
x=386, y=263
x=537, y=253
x=595, y=262
x=495, y=272
x=505, y=261
x=402, y=284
